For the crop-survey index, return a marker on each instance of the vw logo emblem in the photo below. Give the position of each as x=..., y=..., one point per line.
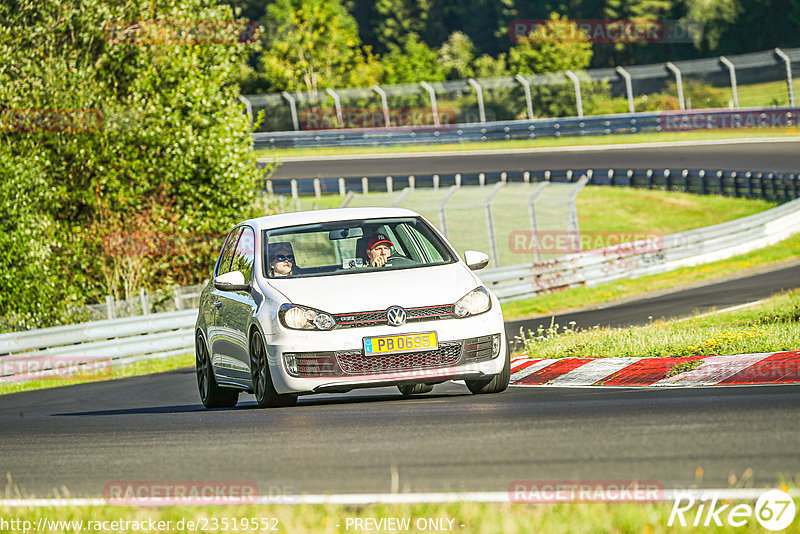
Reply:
x=396, y=316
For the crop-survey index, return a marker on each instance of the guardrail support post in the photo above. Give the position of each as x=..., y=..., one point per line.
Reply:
x=458, y=180
x=317, y=188
x=436, y=181
x=389, y=185
x=412, y=181
x=341, y=187
x=293, y=185
x=678, y=81
x=526, y=177
x=526, y=85
x=384, y=105
x=703, y=187
x=434, y=108
x=293, y=107
x=788, y=62
x=628, y=87
x=249, y=107
x=482, y=179
x=338, y=104
x=577, y=83
x=479, y=92
x=364, y=185
x=727, y=62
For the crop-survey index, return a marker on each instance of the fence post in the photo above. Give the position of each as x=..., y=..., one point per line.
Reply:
x=436, y=181
x=504, y=176
x=526, y=85
x=317, y=188
x=293, y=184
x=458, y=180
x=412, y=181
x=479, y=92
x=434, y=108
x=364, y=185
x=338, y=105
x=490, y=223
x=389, y=185
x=725, y=61
x=526, y=177
x=788, y=62
x=678, y=81
x=293, y=107
x=110, y=311
x=384, y=105
x=144, y=297
x=628, y=87
x=537, y=190
x=577, y=83
x=341, y=187
x=442, y=216
x=572, y=219
x=482, y=179
x=178, y=300
x=249, y=107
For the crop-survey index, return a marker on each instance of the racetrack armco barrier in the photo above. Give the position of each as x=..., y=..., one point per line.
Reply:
x=172, y=333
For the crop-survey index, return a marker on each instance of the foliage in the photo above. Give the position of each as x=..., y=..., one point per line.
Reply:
x=456, y=56
x=556, y=47
x=146, y=142
x=411, y=62
x=314, y=44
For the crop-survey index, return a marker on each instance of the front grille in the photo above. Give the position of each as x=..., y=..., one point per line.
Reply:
x=353, y=362
x=378, y=318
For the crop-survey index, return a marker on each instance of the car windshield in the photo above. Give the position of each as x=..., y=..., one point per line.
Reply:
x=346, y=247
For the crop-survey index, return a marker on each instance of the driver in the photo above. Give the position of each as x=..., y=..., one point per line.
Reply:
x=379, y=248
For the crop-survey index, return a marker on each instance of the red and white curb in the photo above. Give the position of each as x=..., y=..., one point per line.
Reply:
x=761, y=368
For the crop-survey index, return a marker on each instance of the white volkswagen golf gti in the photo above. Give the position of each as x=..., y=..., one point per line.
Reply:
x=332, y=300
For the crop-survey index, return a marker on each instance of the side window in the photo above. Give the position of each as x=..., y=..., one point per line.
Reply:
x=227, y=252
x=244, y=255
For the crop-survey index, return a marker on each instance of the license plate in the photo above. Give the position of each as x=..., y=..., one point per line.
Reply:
x=400, y=343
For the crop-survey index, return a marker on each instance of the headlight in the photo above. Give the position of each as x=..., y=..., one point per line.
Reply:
x=303, y=318
x=475, y=302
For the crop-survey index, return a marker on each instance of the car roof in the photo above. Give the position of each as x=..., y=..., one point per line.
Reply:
x=331, y=215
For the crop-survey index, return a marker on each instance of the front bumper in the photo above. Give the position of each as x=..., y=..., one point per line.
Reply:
x=335, y=360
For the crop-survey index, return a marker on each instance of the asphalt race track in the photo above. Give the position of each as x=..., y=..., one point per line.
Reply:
x=153, y=428
x=733, y=156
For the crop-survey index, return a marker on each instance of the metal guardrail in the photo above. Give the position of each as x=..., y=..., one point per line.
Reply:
x=172, y=332
x=534, y=129
x=747, y=184
x=644, y=257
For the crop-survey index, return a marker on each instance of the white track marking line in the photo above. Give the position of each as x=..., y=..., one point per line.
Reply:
x=746, y=494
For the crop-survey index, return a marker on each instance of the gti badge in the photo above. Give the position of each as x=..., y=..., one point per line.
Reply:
x=396, y=316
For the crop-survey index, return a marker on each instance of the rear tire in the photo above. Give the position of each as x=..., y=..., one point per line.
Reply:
x=211, y=394
x=495, y=384
x=263, y=389
x=415, y=389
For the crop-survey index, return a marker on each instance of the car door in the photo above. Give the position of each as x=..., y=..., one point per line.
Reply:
x=229, y=345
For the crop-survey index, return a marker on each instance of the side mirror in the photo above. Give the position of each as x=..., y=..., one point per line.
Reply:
x=475, y=260
x=232, y=281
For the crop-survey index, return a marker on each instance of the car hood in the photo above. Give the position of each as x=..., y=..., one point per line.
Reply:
x=377, y=290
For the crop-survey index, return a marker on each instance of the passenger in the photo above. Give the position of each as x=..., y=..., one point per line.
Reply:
x=281, y=259
x=378, y=250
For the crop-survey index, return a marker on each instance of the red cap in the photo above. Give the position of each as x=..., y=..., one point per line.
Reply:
x=378, y=239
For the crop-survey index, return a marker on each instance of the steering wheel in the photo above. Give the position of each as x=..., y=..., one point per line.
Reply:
x=394, y=261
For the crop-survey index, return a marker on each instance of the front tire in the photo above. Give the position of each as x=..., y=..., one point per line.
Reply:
x=263, y=389
x=496, y=384
x=211, y=394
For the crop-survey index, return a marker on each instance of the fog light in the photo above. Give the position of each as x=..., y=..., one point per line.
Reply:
x=290, y=363
x=495, y=345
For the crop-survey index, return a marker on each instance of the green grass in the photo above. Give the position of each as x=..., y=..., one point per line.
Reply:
x=654, y=137
x=772, y=326
x=141, y=367
x=468, y=518
x=585, y=297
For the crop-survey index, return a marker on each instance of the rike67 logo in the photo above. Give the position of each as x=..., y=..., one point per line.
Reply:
x=774, y=510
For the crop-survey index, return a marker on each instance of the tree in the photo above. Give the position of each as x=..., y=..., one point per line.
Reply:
x=456, y=56
x=312, y=45
x=396, y=20
x=556, y=47
x=126, y=129
x=411, y=62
